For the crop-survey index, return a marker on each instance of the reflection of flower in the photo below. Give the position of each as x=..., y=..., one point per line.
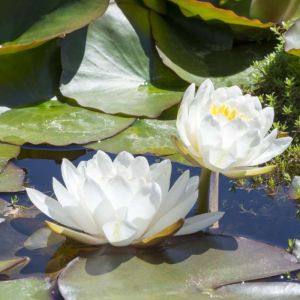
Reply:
x=294, y=190
x=226, y=131
x=122, y=202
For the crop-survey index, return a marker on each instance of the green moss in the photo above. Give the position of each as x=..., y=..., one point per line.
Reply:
x=276, y=80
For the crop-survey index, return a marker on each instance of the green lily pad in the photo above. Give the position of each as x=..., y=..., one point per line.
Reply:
x=25, y=289
x=292, y=39
x=29, y=76
x=259, y=291
x=7, y=152
x=195, y=62
x=13, y=263
x=28, y=24
x=11, y=179
x=116, y=78
x=209, y=12
x=144, y=136
x=59, y=124
x=273, y=10
x=185, y=267
x=157, y=5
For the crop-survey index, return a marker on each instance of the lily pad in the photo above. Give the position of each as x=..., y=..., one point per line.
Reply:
x=25, y=289
x=144, y=136
x=195, y=62
x=7, y=152
x=116, y=78
x=292, y=39
x=28, y=24
x=273, y=10
x=14, y=263
x=57, y=123
x=29, y=76
x=186, y=267
x=209, y=12
x=11, y=179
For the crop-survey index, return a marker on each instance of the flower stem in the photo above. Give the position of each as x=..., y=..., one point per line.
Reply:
x=203, y=202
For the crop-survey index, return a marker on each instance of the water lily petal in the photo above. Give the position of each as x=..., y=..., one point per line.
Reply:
x=124, y=159
x=276, y=148
x=268, y=118
x=210, y=132
x=243, y=172
x=175, y=194
x=199, y=222
x=161, y=173
x=77, y=210
x=189, y=94
x=70, y=176
x=76, y=235
x=139, y=167
x=105, y=164
x=119, y=233
x=50, y=207
x=176, y=213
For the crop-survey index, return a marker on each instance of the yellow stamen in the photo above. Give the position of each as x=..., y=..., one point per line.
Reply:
x=225, y=110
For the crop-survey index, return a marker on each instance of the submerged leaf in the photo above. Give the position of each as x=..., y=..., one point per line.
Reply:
x=14, y=263
x=11, y=179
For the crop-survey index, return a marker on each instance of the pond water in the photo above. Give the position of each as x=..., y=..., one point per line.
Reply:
x=249, y=213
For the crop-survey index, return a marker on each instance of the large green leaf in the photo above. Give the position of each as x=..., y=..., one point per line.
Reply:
x=186, y=267
x=292, y=39
x=144, y=136
x=273, y=10
x=56, y=123
x=28, y=24
x=11, y=179
x=25, y=289
x=209, y=12
x=194, y=61
x=114, y=67
x=7, y=152
x=29, y=76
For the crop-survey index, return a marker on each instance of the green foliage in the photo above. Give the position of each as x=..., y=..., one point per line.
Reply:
x=277, y=80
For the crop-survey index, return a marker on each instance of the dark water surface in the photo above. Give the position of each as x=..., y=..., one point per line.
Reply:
x=249, y=213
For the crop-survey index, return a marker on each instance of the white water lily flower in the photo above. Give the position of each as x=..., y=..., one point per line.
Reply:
x=122, y=202
x=226, y=131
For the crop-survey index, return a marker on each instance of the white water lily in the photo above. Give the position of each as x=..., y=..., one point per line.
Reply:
x=122, y=202
x=226, y=131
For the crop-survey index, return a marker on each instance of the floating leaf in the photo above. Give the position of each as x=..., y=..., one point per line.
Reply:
x=56, y=123
x=14, y=263
x=292, y=39
x=194, y=61
x=112, y=78
x=7, y=152
x=25, y=289
x=273, y=10
x=209, y=12
x=144, y=136
x=29, y=76
x=260, y=291
x=28, y=24
x=11, y=179
x=183, y=268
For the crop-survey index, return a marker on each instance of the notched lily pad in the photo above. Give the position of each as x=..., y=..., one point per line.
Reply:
x=58, y=124
x=116, y=78
x=144, y=136
x=189, y=266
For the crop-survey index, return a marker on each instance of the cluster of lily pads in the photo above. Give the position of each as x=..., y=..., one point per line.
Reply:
x=110, y=76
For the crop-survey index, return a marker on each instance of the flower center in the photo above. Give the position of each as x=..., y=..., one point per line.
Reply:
x=227, y=111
